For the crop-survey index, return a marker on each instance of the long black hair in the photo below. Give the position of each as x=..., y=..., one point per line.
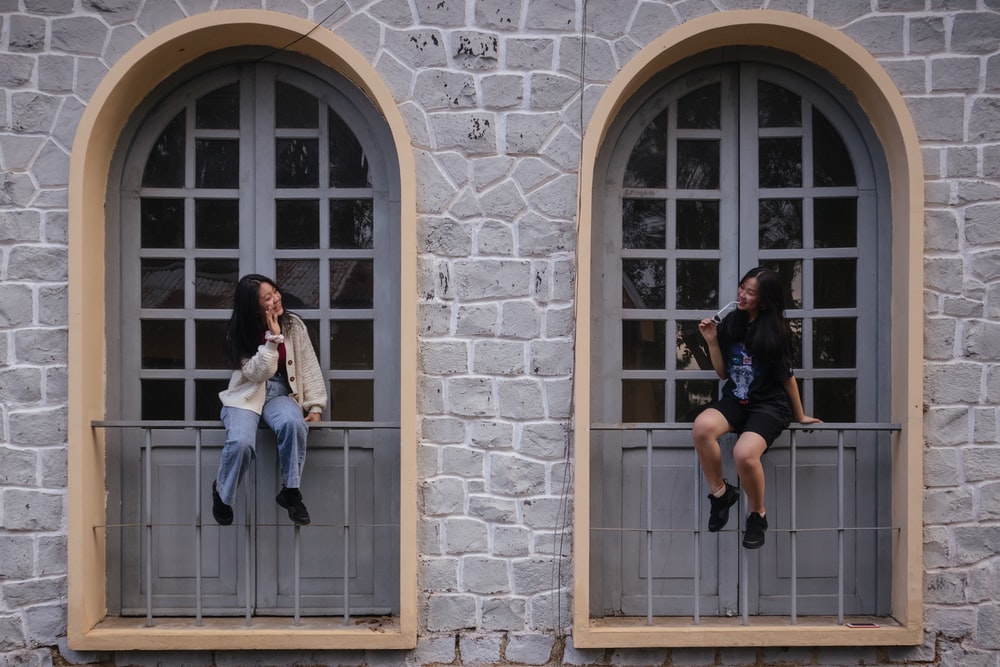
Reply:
x=769, y=339
x=246, y=325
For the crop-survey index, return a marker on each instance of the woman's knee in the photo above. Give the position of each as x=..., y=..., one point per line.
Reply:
x=708, y=427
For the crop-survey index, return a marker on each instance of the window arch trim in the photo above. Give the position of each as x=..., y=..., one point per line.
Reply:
x=862, y=76
x=127, y=83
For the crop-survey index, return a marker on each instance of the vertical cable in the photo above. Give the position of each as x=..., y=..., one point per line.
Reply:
x=247, y=541
x=298, y=574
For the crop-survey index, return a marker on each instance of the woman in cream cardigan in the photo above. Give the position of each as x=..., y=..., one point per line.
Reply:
x=276, y=376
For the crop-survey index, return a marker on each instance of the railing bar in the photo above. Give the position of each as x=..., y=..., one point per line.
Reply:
x=697, y=543
x=197, y=527
x=686, y=426
x=347, y=528
x=148, y=517
x=248, y=535
x=649, y=527
x=298, y=551
x=793, y=542
x=163, y=424
x=744, y=582
x=840, y=527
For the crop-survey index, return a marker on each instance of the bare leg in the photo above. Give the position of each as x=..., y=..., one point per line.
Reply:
x=747, y=452
x=708, y=427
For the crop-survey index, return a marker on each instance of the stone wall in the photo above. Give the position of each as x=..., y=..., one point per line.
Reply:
x=491, y=92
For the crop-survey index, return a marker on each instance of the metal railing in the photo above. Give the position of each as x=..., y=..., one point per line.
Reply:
x=147, y=427
x=793, y=530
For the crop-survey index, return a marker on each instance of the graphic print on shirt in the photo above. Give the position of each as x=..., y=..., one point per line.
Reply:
x=741, y=371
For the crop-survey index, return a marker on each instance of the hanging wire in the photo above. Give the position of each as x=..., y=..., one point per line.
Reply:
x=303, y=35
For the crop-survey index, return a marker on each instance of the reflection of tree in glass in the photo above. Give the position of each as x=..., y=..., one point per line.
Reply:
x=692, y=351
x=832, y=164
x=647, y=164
x=780, y=163
x=697, y=164
x=692, y=396
x=700, y=109
x=697, y=283
x=780, y=223
x=644, y=223
x=777, y=107
x=643, y=283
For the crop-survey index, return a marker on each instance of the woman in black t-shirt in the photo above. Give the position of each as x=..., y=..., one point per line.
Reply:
x=750, y=350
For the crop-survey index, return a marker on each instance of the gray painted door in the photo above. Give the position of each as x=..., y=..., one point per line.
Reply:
x=256, y=168
x=709, y=174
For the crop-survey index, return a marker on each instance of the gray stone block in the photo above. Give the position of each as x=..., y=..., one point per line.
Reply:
x=477, y=320
x=495, y=238
x=471, y=397
x=26, y=33
x=16, y=70
x=529, y=53
x=984, y=120
x=20, y=386
x=948, y=505
x=465, y=536
x=520, y=399
x=975, y=32
x=492, y=509
x=515, y=476
x=40, y=346
x=498, y=357
x=444, y=357
x=82, y=35
x=33, y=510
x=974, y=543
x=443, y=496
x=492, y=279
x=474, y=50
x=980, y=340
x=442, y=430
x=540, y=574
x=503, y=614
x=439, y=575
x=434, y=12
x=954, y=74
x=938, y=118
x=443, y=89
x=547, y=513
x=462, y=461
x=529, y=649
x=502, y=201
x=417, y=49
x=551, y=357
x=544, y=441
x=16, y=305
x=451, y=612
x=21, y=594
x=520, y=320
x=527, y=132
x=11, y=632
x=37, y=263
x=48, y=7
x=485, y=576
x=953, y=383
x=480, y=649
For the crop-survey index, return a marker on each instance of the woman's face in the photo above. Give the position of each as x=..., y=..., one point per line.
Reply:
x=269, y=299
x=747, y=297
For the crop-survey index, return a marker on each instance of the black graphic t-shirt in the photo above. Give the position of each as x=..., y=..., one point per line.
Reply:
x=753, y=381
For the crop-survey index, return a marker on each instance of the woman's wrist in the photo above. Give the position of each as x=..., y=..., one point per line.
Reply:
x=277, y=339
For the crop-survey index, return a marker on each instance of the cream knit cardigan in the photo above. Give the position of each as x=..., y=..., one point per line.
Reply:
x=305, y=377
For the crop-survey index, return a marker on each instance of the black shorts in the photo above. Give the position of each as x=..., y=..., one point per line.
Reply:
x=763, y=420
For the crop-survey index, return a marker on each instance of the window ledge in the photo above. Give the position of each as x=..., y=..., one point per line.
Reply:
x=760, y=631
x=265, y=633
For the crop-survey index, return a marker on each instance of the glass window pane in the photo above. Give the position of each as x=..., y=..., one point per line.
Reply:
x=352, y=400
x=348, y=163
x=777, y=107
x=165, y=164
x=312, y=326
x=644, y=344
x=296, y=223
x=351, y=344
x=214, y=282
x=643, y=401
x=644, y=223
x=647, y=164
x=299, y=281
x=835, y=284
x=296, y=163
x=162, y=283
x=780, y=163
x=210, y=344
x=832, y=164
x=790, y=274
x=219, y=110
x=217, y=163
x=697, y=225
x=162, y=223
x=352, y=223
x=697, y=164
x=835, y=399
x=700, y=109
x=795, y=326
x=351, y=283
x=162, y=399
x=780, y=223
x=207, y=406
x=692, y=396
x=216, y=223
x=834, y=342
x=643, y=283
x=691, y=349
x=697, y=283
x=835, y=223
x=163, y=343
x=295, y=108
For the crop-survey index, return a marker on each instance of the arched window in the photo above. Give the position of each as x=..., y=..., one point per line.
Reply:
x=282, y=168
x=734, y=161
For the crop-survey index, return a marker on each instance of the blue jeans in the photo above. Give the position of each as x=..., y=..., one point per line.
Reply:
x=284, y=416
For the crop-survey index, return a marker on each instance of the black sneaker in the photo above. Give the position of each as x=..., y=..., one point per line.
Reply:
x=718, y=516
x=291, y=500
x=222, y=512
x=753, y=538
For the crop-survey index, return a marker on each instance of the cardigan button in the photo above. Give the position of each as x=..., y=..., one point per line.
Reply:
x=291, y=379
x=291, y=361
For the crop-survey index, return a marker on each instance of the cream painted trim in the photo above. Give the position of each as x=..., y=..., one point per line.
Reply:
x=855, y=67
x=127, y=83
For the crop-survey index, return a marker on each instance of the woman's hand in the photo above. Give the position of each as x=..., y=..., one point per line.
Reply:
x=806, y=419
x=271, y=319
x=314, y=416
x=709, y=330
